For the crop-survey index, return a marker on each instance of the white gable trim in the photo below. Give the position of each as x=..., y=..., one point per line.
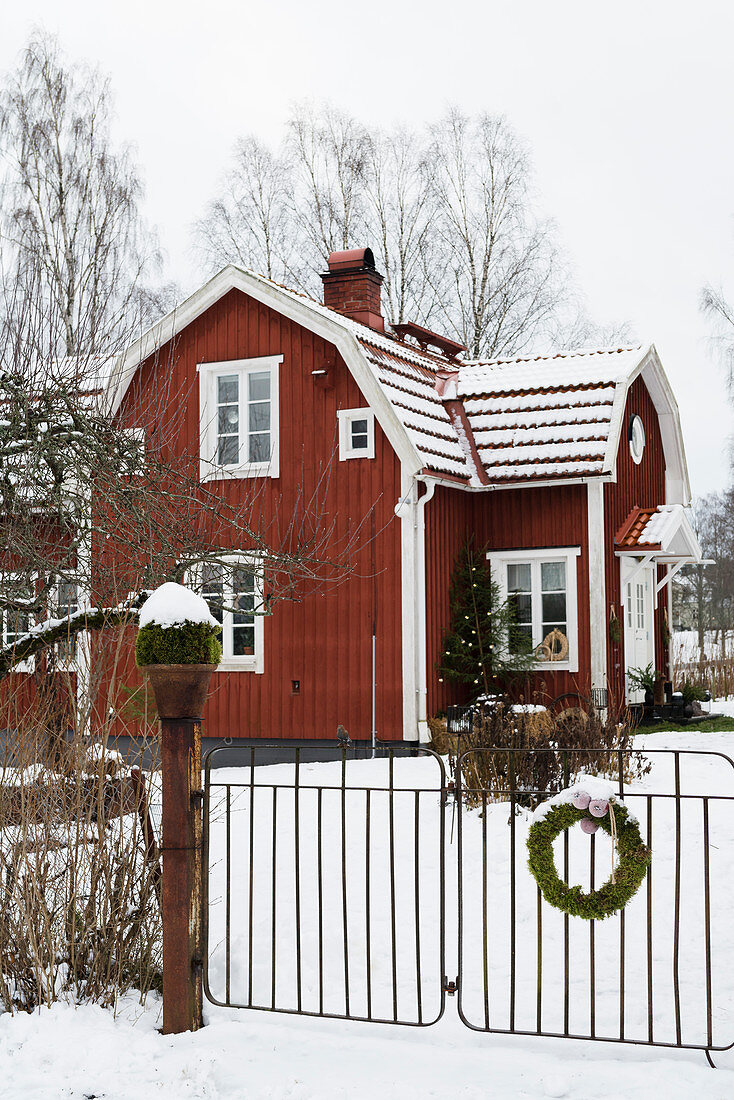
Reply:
x=302, y=313
x=677, y=485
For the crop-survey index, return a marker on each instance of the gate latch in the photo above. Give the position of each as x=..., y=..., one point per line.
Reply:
x=450, y=987
x=449, y=791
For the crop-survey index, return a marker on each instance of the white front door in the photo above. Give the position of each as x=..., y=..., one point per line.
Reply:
x=638, y=588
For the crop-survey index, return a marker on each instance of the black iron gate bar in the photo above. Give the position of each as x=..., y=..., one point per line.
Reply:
x=510, y=794
x=297, y=789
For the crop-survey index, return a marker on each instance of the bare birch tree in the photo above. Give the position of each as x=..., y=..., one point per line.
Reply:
x=497, y=286
x=252, y=223
x=399, y=209
x=716, y=306
x=447, y=211
x=328, y=151
x=70, y=225
x=89, y=501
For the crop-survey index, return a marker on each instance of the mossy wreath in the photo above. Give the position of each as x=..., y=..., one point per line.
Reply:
x=634, y=859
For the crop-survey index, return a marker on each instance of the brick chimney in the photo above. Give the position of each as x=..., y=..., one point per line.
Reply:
x=352, y=287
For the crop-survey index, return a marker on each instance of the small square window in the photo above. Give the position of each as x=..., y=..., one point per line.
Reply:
x=356, y=433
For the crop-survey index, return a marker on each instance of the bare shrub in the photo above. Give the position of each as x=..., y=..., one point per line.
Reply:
x=528, y=754
x=79, y=870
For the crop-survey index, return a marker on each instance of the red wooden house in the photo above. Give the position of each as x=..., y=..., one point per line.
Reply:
x=571, y=468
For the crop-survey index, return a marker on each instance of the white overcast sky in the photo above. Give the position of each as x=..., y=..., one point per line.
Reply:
x=627, y=108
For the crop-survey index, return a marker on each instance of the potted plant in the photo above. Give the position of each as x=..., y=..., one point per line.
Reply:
x=178, y=648
x=693, y=696
x=643, y=679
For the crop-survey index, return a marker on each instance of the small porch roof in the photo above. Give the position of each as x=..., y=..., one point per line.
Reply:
x=664, y=534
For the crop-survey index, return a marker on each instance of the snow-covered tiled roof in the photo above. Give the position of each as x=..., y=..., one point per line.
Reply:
x=411, y=389
x=546, y=416
x=666, y=529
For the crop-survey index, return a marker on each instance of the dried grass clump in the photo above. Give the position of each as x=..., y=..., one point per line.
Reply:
x=529, y=756
x=715, y=674
x=79, y=872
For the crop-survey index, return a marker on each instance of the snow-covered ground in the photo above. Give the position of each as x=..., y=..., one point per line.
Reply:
x=85, y=1052
x=685, y=645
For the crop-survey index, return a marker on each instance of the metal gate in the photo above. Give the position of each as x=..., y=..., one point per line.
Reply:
x=326, y=885
x=647, y=975
x=351, y=922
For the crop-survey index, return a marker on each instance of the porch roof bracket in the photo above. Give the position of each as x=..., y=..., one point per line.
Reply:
x=669, y=576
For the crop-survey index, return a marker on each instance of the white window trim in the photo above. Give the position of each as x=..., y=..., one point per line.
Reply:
x=500, y=559
x=254, y=662
x=636, y=453
x=208, y=373
x=29, y=665
x=346, y=416
x=53, y=603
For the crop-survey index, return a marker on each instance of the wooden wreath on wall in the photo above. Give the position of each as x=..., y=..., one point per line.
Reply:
x=592, y=803
x=554, y=646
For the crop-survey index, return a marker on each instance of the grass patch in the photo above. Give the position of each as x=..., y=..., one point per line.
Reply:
x=709, y=725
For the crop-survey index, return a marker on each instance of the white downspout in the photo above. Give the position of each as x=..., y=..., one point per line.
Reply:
x=424, y=733
x=410, y=509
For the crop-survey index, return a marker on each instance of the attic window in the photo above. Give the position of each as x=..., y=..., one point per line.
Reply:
x=356, y=433
x=239, y=417
x=637, y=439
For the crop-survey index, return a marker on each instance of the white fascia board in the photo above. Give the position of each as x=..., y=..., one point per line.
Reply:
x=302, y=313
x=498, y=486
x=677, y=485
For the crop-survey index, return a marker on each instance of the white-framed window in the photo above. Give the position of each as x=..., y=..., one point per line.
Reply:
x=540, y=585
x=636, y=434
x=65, y=602
x=234, y=591
x=356, y=433
x=238, y=410
x=14, y=623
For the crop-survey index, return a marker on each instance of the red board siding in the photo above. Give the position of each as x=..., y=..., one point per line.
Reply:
x=508, y=519
x=322, y=640
x=642, y=485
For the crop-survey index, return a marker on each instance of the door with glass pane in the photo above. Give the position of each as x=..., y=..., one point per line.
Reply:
x=639, y=638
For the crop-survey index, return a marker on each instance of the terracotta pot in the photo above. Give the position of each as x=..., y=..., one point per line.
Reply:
x=179, y=690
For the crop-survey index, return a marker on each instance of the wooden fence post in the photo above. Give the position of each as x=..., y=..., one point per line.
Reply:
x=182, y=802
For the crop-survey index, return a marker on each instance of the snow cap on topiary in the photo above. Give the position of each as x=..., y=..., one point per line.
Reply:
x=177, y=628
x=174, y=605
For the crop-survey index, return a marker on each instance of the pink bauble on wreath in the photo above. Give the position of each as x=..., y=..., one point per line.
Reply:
x=588, y=826
x=598, y=807
x=580, y=800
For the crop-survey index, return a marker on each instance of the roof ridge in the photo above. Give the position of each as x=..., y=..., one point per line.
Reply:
x=532, y=357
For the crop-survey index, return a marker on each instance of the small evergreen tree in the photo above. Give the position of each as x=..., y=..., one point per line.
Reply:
x=475, y=648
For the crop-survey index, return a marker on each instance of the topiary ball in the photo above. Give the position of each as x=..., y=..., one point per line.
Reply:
x=177, y=628
x=188, y=644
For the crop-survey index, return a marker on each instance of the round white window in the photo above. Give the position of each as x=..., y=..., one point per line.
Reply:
x=637, y=439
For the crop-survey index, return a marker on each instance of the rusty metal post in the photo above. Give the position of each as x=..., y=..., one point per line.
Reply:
x=182, y=799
